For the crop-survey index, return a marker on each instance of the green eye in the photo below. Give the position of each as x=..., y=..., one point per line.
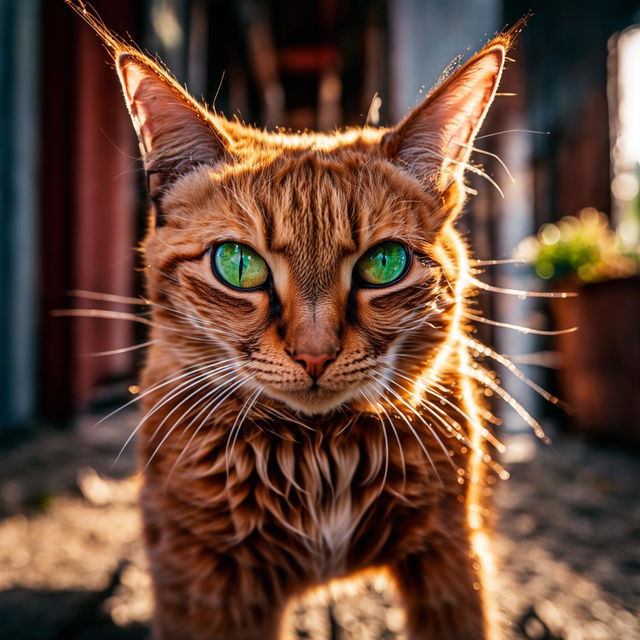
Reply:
x=239, y=266
x=383, y=264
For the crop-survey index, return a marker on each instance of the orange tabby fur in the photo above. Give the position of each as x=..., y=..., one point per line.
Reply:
x=258, y=484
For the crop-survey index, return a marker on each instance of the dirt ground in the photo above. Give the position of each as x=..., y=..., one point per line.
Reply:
x=72, y=566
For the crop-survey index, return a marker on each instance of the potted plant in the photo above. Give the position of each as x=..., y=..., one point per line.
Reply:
x=600, y=371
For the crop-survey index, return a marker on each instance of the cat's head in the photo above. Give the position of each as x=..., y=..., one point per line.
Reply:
x=313, y=263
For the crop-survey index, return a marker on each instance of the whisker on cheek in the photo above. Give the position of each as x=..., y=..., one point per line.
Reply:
x=235, y=385
x=237, y=425
x=175, y=392
x=220, y=396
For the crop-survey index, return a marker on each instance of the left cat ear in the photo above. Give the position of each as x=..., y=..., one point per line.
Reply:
x=433, y=142
x=175, y=133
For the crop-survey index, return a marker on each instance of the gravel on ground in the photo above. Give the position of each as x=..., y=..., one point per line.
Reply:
x=72, y=566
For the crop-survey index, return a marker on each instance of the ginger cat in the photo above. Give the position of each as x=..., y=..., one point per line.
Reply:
x=310, y=394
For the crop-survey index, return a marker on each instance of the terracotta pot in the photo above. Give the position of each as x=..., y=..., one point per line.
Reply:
x=600, y=374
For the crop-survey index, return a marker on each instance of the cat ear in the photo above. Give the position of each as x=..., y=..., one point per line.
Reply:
x=174, y=131
x=434, y=140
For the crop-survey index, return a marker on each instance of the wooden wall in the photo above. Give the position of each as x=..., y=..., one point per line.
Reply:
x=88, y=214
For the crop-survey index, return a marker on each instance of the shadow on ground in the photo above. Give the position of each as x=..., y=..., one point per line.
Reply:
x=30, y=614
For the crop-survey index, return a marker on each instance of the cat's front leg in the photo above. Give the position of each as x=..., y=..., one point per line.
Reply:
x=203, y=595
x=441, y=589
x=189, y=616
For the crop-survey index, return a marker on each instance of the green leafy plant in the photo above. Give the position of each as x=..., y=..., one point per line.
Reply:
x=581, y=246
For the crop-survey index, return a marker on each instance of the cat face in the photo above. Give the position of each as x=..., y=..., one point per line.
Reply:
x=311, y=263
x=305, y=324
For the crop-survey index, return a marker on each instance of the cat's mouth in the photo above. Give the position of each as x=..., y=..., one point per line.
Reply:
x=331, y=392
x=319, y=399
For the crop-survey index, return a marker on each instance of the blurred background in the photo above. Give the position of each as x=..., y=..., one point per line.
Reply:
x=562, y=199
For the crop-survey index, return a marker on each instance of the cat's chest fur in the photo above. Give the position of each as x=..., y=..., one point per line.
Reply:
x=331, y=499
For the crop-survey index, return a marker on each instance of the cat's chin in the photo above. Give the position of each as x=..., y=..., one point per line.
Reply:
x=315, y=402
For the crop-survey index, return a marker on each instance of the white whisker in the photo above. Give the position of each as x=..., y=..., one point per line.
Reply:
x=133, y=347
x=522, y=293
x=176, y=423
x=500, y=133
x=414, y=432
x=162, y=383
x=164, y=400
x=386, y=442
x=237, y=424
x=226, y=371
x=487, y=153
x=516, y=327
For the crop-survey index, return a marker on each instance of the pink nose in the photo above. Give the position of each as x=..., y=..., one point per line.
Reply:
x=314, y=364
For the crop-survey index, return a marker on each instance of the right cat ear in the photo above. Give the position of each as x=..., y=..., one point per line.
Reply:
x=434, y=141
x=175, y=133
